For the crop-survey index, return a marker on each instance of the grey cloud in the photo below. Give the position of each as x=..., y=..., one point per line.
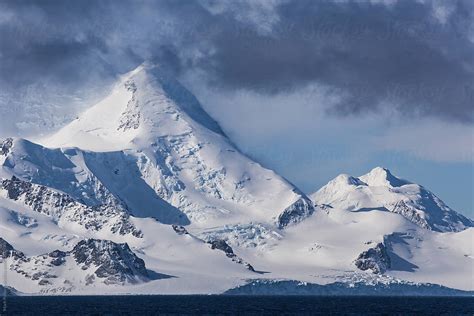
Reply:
x=396, y=56
x=399, y=56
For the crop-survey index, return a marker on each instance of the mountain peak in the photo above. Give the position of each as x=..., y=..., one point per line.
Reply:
x=380, y=190
x=154, y=79
x=147, y=68
x=345, y=179
x=380, y=176
x=143, y=67
x=144, y=104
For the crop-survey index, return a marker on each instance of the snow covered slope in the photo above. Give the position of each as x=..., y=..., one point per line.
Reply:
x=150, y=143
x=380, y=190
x=144, y=193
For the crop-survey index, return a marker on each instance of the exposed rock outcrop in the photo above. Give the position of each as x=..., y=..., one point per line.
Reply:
x=7, y=250
x=103, y=260
x=130, y=118
x=222, y=245
x=59, y=257
x=411, y=213
x=296, y=212
x=180, y=230
x=63, y=208
x=375, y=259
x=5, y=147
x=116, y=263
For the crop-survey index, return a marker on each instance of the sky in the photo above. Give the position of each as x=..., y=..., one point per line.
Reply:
x=308, y=88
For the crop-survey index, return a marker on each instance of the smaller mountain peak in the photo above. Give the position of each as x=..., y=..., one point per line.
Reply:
x=380, y=176
x=345, y=179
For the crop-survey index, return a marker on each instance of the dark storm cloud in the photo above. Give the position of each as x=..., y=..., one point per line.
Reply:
x=396, y=56
x=376, y=56
x=58, y=41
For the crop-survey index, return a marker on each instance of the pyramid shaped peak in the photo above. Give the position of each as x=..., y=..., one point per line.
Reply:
x=145, y=103
x=154, y=78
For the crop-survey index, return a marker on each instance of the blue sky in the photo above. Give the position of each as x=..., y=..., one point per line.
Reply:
x=309, y=88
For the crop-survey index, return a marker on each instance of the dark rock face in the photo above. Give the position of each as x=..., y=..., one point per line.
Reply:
x=59, y=257
x=7, y=250
x=44, y=282
x=5, y=147
x=439, y=217
x=122, y=224
x=61, y=206
x=16, y=187
x=375, y=259
x=218, y=244
x=113, y=263
x=180, y=230
x=19, y=260
x=130, y=118
x=296, y=212
x=222, y=245
x=410, y=213
x=116, y=263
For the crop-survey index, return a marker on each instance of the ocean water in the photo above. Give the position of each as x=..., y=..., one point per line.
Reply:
x=237, y=305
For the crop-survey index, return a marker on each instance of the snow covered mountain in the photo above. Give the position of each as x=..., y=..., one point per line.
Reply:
x=144, y=193
x=150, y=145
x=379, y=189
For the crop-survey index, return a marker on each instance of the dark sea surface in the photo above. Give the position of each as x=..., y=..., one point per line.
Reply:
x=237, y=305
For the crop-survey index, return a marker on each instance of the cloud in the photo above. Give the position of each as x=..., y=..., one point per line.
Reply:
x=413, y=59
x=430, y=140
x=375, y=55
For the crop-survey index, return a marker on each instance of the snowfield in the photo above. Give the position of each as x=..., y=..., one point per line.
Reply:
x=145, y=194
